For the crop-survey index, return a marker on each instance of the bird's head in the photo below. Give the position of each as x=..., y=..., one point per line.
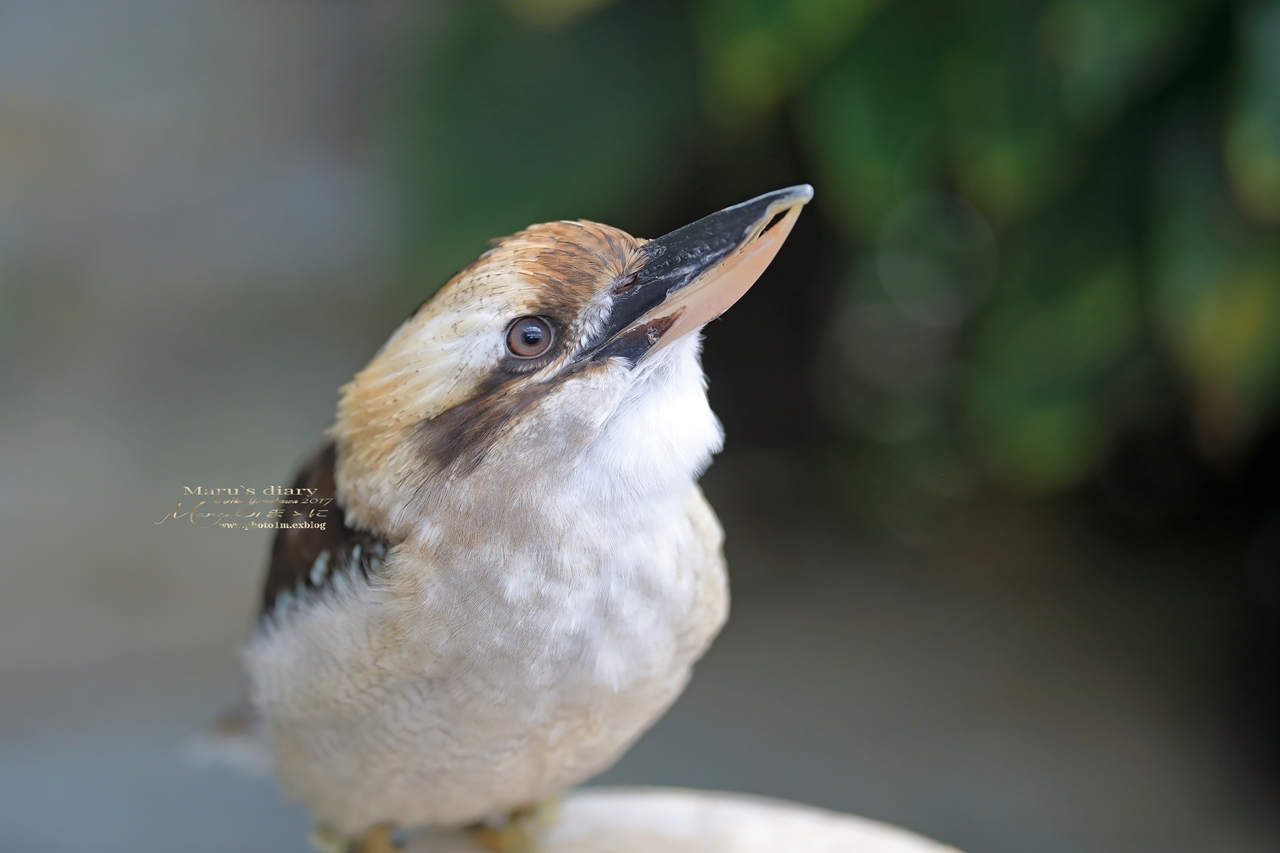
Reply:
x=568, y=351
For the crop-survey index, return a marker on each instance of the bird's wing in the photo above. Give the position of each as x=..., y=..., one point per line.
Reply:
x=306, y=560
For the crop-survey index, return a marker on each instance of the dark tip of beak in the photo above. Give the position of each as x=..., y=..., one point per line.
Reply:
x=676, y=260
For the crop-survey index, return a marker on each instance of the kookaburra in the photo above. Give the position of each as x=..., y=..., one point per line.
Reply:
x=518, y=570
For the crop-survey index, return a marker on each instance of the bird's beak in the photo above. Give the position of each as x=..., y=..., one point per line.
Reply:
x=692, y=275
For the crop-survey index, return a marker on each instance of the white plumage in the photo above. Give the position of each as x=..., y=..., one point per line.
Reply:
x=490, y=672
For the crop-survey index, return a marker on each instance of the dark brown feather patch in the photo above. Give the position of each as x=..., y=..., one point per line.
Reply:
x=463, y=435
x=309, y=560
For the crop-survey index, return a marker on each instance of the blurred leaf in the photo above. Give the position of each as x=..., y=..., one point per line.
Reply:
x=552, y=13
x=1008, y=146
x=1027, y=87
x=1035, y=443
x=1049, y=348
x=871, y=121
x=757, y=52
x=1068, y=342
x=1233, y=337
x=1218, y=301
x=1041, y=371
x=1253, y=130
x=1107, y=50
x=500, y=126
x=1012, y=93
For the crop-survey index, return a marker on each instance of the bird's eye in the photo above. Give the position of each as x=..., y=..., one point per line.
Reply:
x=529, y=337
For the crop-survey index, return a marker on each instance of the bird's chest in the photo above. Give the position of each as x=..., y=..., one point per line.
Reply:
x=524, y=666
x=579, y=613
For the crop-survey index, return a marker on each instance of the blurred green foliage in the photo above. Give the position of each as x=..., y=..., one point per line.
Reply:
x=500, y=123
x=1057, y=210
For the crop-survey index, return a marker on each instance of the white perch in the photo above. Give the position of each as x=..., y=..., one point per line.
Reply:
x=674, y=820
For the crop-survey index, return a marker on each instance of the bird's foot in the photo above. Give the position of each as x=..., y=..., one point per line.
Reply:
x=511, y=838
x=520, y=832
x=376, y=840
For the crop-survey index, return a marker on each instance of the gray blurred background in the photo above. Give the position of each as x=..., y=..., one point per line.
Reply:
x=949, y=613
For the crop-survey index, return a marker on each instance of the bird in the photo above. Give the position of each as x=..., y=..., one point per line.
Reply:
x=508, y=569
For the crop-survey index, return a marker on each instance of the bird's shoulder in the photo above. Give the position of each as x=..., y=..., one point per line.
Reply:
x=310, y=555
